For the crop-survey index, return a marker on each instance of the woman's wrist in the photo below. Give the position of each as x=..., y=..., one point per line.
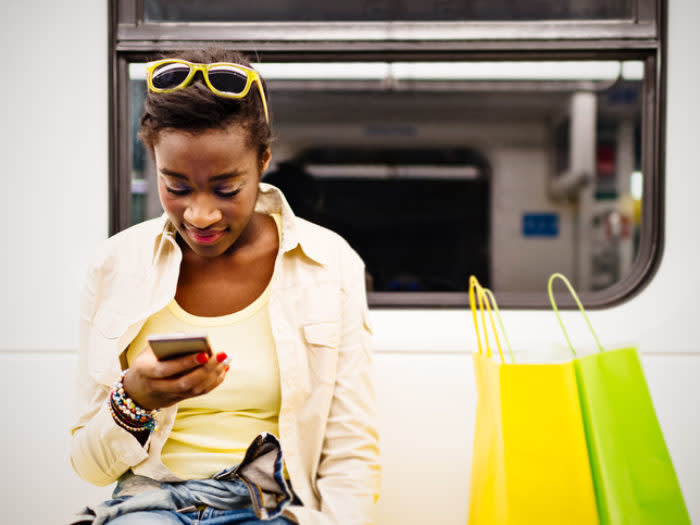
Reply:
x=126, y=413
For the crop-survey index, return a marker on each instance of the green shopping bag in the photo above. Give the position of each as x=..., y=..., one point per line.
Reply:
x=633, y=475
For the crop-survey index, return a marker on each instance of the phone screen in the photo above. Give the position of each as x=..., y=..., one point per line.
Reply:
x=170, y=346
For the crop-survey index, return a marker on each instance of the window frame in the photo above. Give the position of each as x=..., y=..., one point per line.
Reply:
x=642, y=38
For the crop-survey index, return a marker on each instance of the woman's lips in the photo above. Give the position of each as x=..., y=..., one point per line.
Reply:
x=205, y=236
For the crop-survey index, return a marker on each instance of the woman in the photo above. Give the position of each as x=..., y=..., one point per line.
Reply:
x=283, y=300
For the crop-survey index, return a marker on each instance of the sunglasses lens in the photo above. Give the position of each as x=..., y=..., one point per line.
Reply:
x=228, y=79
x=169, y=76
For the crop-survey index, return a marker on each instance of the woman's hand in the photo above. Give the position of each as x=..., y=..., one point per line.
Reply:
x=151, y=383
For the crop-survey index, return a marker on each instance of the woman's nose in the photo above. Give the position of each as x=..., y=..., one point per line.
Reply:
x=201, y=213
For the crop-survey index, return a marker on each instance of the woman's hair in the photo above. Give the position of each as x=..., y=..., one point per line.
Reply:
x=196, y=108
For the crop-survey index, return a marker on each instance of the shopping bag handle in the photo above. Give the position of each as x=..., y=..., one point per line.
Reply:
x=474, y=285
x=490, y=298
x=559, y=276
x=485, y=297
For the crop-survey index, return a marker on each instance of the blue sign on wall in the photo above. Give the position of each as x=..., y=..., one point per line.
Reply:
x=540, y=224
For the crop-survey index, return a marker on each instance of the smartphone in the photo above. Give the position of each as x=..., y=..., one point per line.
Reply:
x=177, y=344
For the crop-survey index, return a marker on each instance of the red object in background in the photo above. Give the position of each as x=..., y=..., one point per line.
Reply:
x=605, y=160
x=618, y=225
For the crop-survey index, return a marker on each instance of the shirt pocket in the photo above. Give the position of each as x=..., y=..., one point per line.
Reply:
x=102, y=355
x=105, y=342
x=322, y=342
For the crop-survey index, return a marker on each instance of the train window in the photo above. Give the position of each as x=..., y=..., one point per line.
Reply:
x=505, y=163
x=415, y=10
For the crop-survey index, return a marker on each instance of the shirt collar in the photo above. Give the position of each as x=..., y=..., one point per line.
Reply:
x=270, y=200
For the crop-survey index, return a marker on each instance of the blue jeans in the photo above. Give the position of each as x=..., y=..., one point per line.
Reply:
x=207, y=516
x=253, y=491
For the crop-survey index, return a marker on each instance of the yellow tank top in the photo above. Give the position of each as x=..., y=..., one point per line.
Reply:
x=212, y=432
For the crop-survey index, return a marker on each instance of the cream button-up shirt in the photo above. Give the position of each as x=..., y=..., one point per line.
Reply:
x=319, y=318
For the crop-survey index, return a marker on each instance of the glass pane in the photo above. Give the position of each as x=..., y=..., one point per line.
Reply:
x=385, y=10
x=435, y=171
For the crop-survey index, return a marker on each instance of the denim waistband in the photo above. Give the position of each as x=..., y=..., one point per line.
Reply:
x=256, y=481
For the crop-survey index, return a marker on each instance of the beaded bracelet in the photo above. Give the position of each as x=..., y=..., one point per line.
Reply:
x=127, y=408
x=126, y=413
x=124, y=425
x=117, y=414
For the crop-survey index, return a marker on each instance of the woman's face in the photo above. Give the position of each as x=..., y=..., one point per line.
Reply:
x=208, y=185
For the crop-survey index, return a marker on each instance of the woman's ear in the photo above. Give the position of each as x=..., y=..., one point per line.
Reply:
x=264, y=161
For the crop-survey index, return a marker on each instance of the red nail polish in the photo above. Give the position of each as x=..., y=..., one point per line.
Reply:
x=227, y=367
x=202, y=358
x=220, y=357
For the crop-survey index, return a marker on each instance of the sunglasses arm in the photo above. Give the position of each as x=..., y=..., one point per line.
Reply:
x=263, y=99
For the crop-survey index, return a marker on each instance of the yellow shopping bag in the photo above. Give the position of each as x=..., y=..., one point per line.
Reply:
x=530, y=461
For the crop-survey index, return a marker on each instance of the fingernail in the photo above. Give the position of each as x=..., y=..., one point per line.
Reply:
x=227, y=367
x=220, y=357
x=202, y=358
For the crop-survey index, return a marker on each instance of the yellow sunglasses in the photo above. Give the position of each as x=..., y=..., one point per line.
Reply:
x=225, y=79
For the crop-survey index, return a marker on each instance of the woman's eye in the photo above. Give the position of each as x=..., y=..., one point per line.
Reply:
x=227, y=193
x=177, y=191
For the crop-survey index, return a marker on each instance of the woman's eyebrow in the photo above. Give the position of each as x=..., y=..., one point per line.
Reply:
x=228, y=175
x=171, y=173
